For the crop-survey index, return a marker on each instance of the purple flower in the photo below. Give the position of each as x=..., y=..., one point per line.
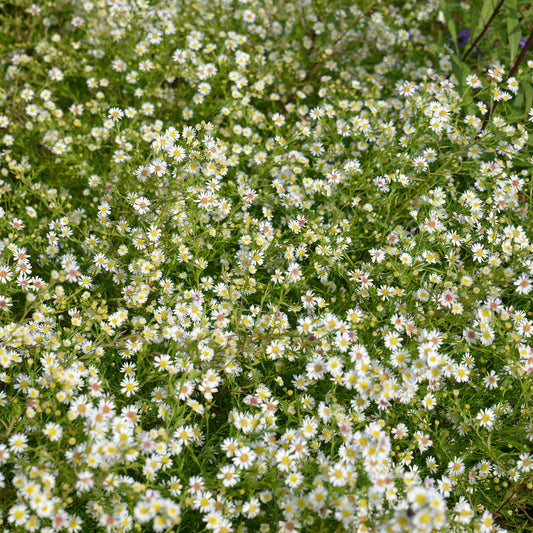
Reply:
x=462, y=37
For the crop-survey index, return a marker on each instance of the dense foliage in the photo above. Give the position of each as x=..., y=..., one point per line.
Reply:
x=266, y=266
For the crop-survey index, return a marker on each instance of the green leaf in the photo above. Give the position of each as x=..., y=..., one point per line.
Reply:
x=475, y=17
x=486, y=11
x=480, y=16
x=527, y=15
x=518, y=104
x=461, y=71
x=513, y=29
x=450, y=23
x=528, y=96
x=480, y=13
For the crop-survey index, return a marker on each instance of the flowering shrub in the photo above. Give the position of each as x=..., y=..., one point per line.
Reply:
x=265, y=266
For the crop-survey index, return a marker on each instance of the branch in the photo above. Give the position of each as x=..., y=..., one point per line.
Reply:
x=511, y=74
x=485, y=28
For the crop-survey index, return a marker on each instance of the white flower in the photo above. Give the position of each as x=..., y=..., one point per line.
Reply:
x=180, y=56
x=142, y=205
x=478, y=253
x=5, y=274
x=53, y=431
x=252, y=508
x=5, y=303
x=129, y=386
x=525, y=463
x=523, y=284
x=18, y=442
x=115, y=114
x=143, y=512
x=244, y=457
x=486, y=418
x=85, y=481
x=229, y=475
x=18, y=514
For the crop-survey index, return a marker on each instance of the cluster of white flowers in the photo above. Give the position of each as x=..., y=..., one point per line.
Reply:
x=264, y=266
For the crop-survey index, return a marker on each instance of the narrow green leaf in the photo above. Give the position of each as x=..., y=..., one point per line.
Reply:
x=475, y=18
x=513, y=29
x=528, y=96
x=527, y=16
x=486, y=11
x=518, y=104
x=449, y=22
x=479, y=21
x=461, y=71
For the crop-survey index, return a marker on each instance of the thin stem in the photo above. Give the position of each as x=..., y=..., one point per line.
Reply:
x=513, y=491
x=485, y=28
x=511, y=74
x=486, y=119
x=521, y=56
x=316, y=66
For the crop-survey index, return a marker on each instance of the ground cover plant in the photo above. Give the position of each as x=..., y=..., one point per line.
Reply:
x=266, y=266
